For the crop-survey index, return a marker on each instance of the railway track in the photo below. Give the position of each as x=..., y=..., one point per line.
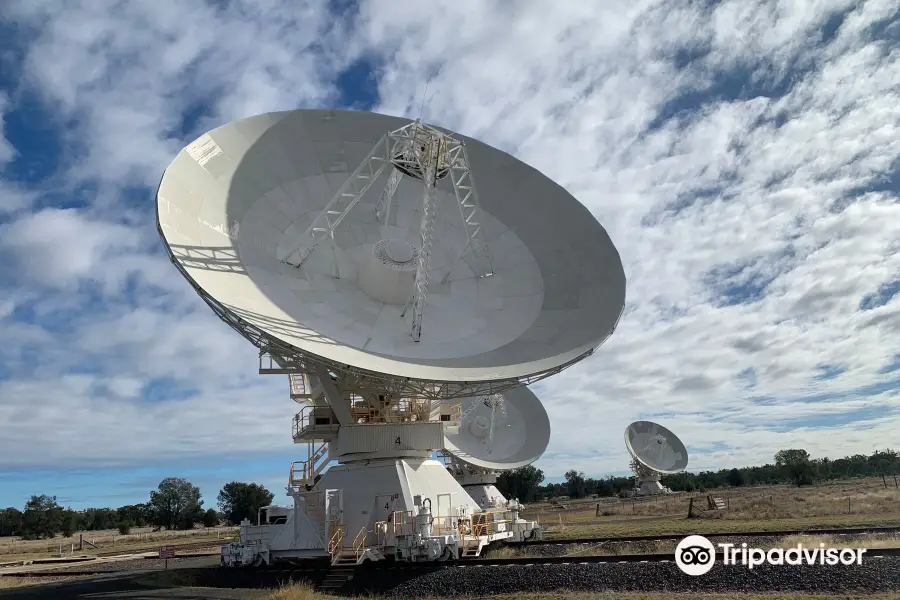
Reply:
x=678, y=536
x=537, y=560
x=316, y=565
x=178, y=548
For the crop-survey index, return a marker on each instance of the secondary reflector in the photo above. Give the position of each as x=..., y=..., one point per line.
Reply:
x=500, y=432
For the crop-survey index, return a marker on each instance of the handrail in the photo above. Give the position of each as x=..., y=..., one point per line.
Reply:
x=337, y=540
x=302, y=419
x=308, y=466
x=399, y=525
x=380, y=533
x=359, y=543
x=305, y=419
x=299, y=385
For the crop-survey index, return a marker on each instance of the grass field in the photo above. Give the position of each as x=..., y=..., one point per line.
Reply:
x=668, y=546
x=7, y=583
x=12, y=549
x=765, y=508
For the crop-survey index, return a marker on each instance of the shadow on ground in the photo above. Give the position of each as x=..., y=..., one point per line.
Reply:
x=129, y=586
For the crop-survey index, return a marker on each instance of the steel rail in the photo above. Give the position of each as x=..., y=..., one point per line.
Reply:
x=560, y=542
x=468, y=564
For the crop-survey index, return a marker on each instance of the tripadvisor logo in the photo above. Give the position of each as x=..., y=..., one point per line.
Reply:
x=695, y=555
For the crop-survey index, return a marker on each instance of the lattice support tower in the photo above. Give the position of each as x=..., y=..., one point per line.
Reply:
x=383, y=208
x=352, y=190
x=469, y=210
x=419, y=294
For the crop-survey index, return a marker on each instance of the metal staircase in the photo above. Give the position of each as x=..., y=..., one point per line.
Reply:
x=301, y=391
x=303, y=472
x=337, y=578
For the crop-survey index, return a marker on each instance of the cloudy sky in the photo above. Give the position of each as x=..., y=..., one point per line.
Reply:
x=743, y=155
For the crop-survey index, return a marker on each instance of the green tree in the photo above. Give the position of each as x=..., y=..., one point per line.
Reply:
x=69, y=521
x=176, y=504
x=138, y=515
x=210, y=518
x=239, y=501
x=521, y=484
x=736, y=478
x=42, y=517
x=797, y=466
x=100, y=519
x=10, y=522
x=575, y=484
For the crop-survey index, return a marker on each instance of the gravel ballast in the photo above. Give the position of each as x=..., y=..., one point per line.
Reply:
x=875, y=575
x=653, y=546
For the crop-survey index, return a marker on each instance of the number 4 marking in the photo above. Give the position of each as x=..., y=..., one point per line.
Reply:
x=397, y=441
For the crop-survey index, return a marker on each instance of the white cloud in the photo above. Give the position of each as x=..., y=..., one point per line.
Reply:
x=7, y=152
x=772, y=178
x=12, y=196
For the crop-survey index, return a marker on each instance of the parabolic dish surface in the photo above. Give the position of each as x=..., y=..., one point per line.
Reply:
x=521, y=432
x=656, y=447
x=239, y=194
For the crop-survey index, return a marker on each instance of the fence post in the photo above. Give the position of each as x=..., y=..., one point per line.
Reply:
x=691, y=508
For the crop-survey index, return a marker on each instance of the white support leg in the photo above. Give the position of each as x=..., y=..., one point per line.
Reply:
x=383, y=208
x=344, y=200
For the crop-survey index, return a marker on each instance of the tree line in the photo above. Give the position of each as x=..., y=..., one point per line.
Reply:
x=791, y=466
x=175, y=504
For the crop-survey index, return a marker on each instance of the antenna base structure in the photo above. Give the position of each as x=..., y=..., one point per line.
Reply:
x=655, y=451
x=386, y=489
x=389, y=310
x=480, y=484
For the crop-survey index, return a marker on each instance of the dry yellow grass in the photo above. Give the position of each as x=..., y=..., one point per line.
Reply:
x=841, y=504
x=108, y=541
x=8, y=583
x=297, y=591
x=305, y=592
x=668, y=546
x=682, y=525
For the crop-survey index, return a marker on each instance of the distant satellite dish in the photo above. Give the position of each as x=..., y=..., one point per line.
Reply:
x=499, y=432
x=655, y=447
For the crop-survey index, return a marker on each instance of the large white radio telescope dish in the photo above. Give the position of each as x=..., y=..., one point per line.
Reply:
x=500, y=432
x=656, y=447
x=280, y=224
